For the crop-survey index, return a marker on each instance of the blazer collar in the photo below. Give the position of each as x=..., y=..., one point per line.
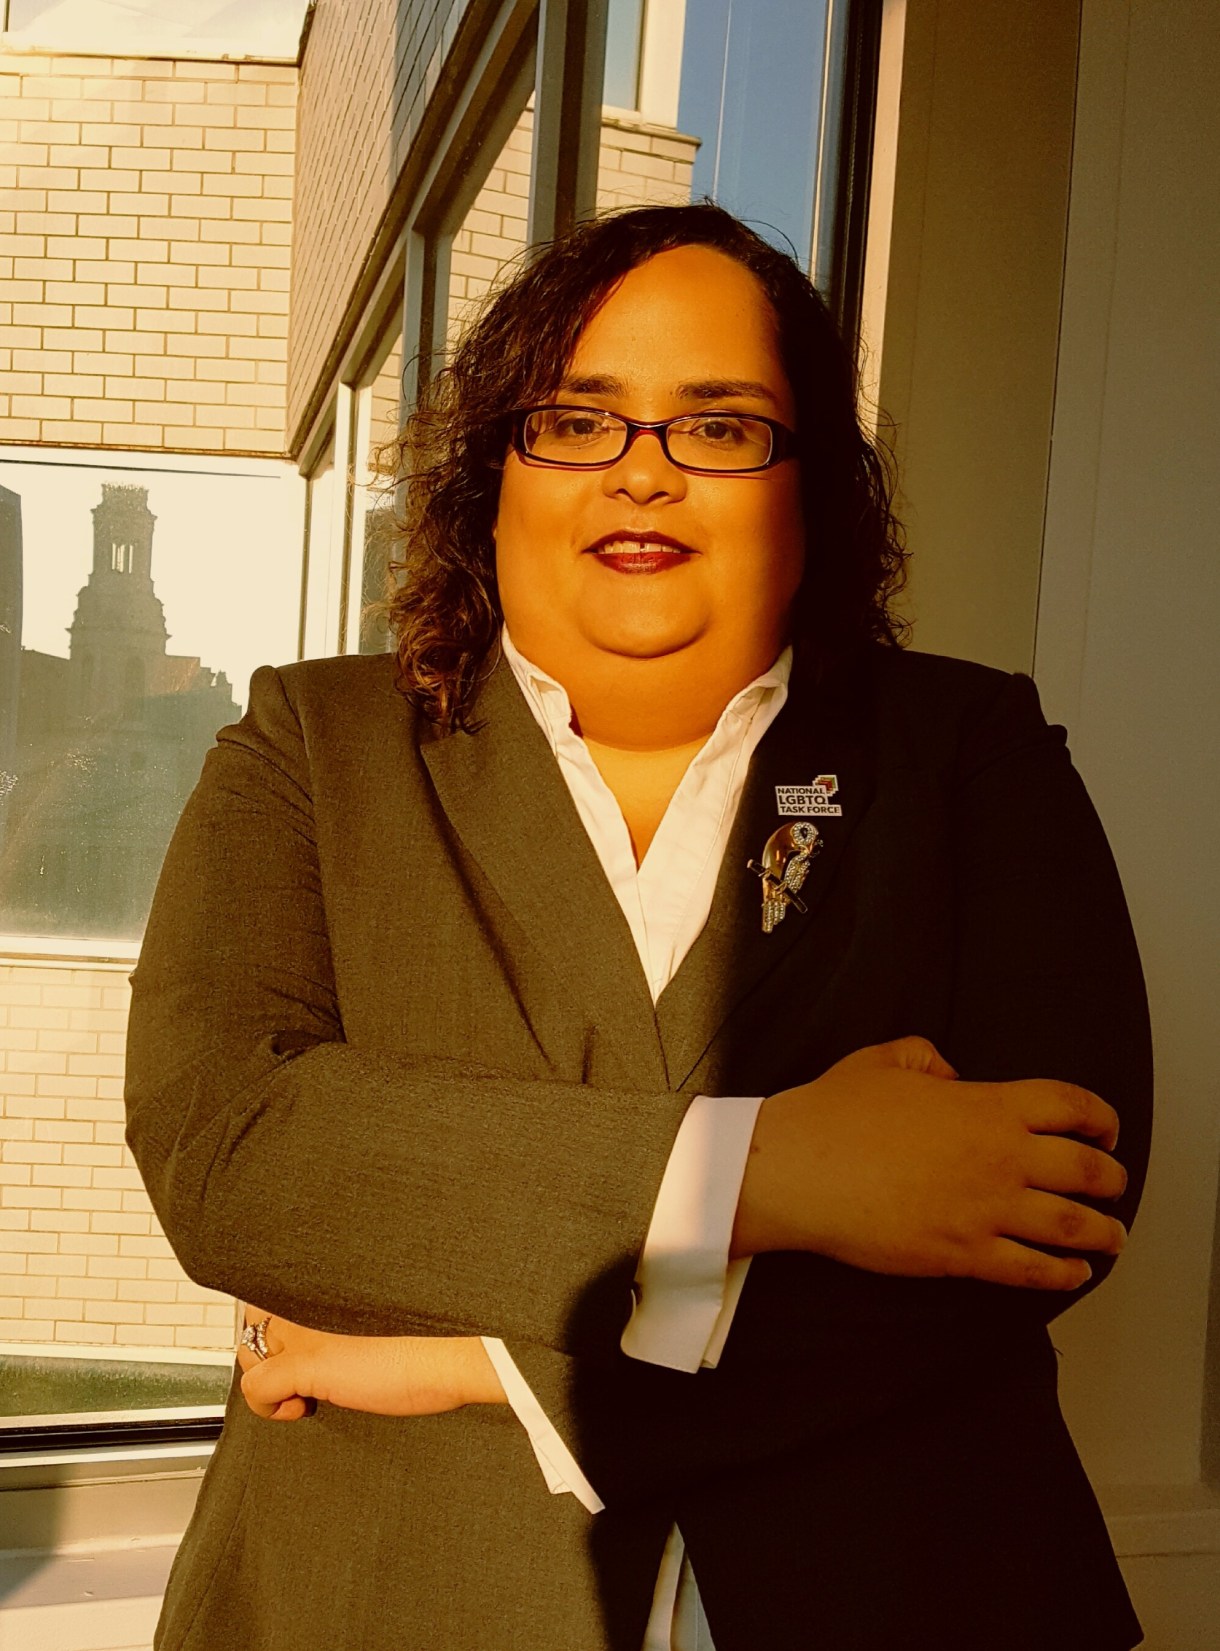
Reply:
x=505, y=797
x=503, y=793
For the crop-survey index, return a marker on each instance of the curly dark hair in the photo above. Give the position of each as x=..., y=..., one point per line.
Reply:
x=443, y=609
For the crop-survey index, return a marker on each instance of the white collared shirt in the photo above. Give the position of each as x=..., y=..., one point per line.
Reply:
x=687, y=1289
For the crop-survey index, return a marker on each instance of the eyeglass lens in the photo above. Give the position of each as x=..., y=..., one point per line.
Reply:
x=705, y=441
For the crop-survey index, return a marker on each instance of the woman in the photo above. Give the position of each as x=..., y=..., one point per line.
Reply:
x=654, y=1039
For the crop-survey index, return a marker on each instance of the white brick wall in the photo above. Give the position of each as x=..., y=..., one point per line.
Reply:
x=145, y=216
x=83, y=1259
x=638, y=164
x=370, y=67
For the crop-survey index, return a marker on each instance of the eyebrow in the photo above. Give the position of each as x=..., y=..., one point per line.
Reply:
x=703, y=389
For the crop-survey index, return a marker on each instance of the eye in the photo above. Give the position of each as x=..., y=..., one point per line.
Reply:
x=578, y=426
x=719, y=430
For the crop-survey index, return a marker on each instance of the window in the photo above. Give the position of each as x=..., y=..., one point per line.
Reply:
x=137, y=598
x=142, y=600
x=319, y=626
x=493, y=232
x=624, y=31
x=378, y=419
x=349, y=530
x=739, y=100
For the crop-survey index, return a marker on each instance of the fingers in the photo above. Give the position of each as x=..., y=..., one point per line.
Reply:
x=1065, y=1109
x=1007, y=1262
x=274, y=1341
x=290, y=1408
x=915, y=1054
x=1046, y=1218
x=1056, y=1165
x=268, y=1385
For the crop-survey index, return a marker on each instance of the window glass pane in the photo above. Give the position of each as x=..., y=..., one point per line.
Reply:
x=135, y=603
x=623, y=27
x=738, y=60
x=740, y=88
x=374, y=502
x=319, y=632
x=493, y=232
x=141, y=601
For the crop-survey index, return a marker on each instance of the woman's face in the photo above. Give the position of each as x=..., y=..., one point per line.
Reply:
x=690, y=329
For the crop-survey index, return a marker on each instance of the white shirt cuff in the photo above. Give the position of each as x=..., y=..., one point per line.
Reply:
x=687, y=1290
x=559, y=1466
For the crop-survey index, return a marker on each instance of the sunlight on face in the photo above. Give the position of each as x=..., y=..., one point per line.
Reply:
x=664, y=343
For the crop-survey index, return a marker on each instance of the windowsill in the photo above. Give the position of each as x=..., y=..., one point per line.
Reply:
x=102, y=1504
x=37, y=951
x=633, y=120
x=65, y=1467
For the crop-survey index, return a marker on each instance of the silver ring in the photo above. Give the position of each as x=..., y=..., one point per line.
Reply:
x=254, y=1336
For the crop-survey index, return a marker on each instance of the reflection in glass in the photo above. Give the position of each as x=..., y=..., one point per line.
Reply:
x=101, y=743
x=492, y=236
x=378, y=503
x=623, y=28
x=728, y=103
x=107, y=745
x=319, y=631
x=752, y=92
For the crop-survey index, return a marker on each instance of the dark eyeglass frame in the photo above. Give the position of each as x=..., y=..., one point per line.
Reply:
x=784, y=442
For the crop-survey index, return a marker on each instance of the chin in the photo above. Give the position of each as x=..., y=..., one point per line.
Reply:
x=642, y=642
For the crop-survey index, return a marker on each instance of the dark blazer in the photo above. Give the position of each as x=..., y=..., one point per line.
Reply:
x=393, y=1067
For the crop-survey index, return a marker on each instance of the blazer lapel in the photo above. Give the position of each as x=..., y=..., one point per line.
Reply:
x=822, y=729
x=502, y=791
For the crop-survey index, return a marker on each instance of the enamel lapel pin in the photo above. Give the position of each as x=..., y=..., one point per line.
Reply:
x=809, y=799
x=788, y=852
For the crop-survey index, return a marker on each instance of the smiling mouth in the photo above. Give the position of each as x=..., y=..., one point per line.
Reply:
x=640, y=556
x=626, y=547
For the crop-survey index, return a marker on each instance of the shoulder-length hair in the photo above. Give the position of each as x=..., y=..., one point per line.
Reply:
x=444, y=610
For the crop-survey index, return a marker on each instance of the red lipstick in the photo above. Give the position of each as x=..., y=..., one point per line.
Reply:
x=646, y=552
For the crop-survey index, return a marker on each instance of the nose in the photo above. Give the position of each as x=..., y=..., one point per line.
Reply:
x=643, y=473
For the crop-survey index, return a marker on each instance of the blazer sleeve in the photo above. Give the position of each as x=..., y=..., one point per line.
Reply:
x=1047, y=983
x=350, y=1190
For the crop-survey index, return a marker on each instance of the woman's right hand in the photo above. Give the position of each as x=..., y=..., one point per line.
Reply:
x=889, y=1162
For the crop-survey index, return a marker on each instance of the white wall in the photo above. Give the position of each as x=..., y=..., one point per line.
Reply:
x=962, y=294
x=1126, y=656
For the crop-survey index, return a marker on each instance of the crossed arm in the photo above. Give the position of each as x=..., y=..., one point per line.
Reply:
x=886, y=1162
x=222, y=1104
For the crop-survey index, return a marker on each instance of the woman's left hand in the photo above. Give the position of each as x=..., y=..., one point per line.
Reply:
x=386, y=1375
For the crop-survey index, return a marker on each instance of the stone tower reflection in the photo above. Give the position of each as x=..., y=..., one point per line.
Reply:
x=109, y=743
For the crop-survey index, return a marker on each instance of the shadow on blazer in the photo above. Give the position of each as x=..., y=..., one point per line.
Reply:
x=394, y=1068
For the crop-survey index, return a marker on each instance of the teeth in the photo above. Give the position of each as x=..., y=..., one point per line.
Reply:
x=627, y=547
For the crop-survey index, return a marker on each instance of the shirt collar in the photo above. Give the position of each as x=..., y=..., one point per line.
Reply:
x=549, y=698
